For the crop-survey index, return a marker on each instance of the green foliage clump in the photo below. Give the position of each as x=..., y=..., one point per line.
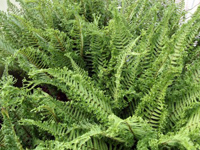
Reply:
x=99, y=75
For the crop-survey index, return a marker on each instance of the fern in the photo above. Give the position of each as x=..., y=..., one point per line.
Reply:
x=99, y=75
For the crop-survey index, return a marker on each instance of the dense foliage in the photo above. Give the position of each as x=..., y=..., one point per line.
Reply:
x=99, y=75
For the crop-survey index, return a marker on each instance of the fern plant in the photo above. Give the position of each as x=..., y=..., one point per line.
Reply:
x=98, y=76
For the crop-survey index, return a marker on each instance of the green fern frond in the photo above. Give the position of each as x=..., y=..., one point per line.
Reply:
x=179, y=140
x=36, y=57
x=67, y=81
x=12, y=141
x=119, y=66
x=56, y=129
